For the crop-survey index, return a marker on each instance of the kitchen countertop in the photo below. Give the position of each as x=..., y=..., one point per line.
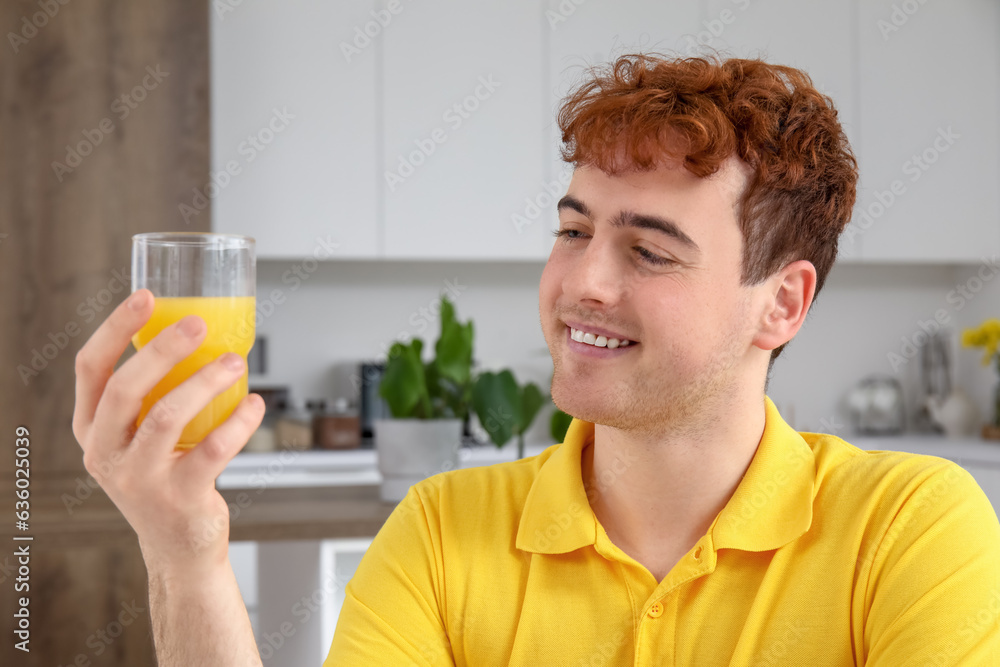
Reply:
x=352, y=466
x=358, y=466
x=984, y=453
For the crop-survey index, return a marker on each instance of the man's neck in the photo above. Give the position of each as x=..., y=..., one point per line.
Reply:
x=656, y=496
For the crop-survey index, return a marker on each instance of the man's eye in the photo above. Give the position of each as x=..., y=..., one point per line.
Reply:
x=647, y=256
x=652, y=258
x=565, y=232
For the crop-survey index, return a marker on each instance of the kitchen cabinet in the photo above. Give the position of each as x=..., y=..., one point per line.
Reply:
x=300, y=590
x=390, y=130
x=463, y=130
x=592, y=33
x=294, y=132
x=929, y=97
x=293, y=591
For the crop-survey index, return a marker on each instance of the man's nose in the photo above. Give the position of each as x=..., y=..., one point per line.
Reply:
x=598, y=274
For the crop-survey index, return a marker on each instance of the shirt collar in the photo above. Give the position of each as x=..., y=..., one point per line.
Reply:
x=771, y=506
x=557, y=517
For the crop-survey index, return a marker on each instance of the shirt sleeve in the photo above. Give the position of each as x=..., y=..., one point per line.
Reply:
x=392, y=612
x=934, y=587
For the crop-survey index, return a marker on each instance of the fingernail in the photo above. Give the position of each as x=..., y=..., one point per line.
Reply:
x=191, y=326
x=137, y=301
x=232, y=361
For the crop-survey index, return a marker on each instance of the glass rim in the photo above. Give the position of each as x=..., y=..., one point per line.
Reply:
x=203, y=239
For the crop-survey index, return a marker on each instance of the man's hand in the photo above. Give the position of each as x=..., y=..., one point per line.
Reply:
x=168, y=496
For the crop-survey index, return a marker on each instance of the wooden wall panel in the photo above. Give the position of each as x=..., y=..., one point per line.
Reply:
x=65, y=238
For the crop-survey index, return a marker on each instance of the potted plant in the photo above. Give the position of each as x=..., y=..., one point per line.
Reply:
x=428, y=402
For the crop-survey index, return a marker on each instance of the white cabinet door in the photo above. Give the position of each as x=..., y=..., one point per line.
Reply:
x=301, y=587
x=463, y=129
x=294, y=127
x=930, y=76
x=817, y=37
x=581, y=35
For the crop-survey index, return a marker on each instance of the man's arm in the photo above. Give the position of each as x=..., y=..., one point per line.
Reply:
x=933, y=596
x=200, y=620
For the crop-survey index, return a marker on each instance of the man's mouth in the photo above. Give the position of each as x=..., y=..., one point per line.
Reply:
x=597, y=337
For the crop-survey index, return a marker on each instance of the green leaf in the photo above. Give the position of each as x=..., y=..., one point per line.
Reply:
x=446, y=397
x=403, y=384
x=453, y=351
x=497, y=402
x=532, y=400
x=559, y=424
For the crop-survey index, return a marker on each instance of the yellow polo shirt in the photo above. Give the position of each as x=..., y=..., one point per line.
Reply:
x=825, y=555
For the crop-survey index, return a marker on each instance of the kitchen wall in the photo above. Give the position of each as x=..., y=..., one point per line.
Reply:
x=348, y=310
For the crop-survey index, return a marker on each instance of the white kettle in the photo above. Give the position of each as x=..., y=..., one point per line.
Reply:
x=956, y=414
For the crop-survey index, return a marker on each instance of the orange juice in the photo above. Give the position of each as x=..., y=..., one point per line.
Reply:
x=231, y=328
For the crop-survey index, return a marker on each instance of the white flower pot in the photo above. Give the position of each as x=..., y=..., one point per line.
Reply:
x=409, y=450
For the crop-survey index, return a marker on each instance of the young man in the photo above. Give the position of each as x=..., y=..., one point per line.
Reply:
x=682, y=521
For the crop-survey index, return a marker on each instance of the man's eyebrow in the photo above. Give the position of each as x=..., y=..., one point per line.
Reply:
x=574, y=204
x=632, y=219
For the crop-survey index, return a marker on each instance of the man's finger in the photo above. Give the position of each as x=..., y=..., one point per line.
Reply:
x=95, y=361
x=198, y=469
x=125, y=391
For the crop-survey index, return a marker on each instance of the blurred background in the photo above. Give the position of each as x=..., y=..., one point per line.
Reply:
x=385, y=153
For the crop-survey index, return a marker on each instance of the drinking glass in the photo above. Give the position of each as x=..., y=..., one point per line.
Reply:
x=209, y=275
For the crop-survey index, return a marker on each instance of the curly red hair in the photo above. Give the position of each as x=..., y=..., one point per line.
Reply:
x=641, y=108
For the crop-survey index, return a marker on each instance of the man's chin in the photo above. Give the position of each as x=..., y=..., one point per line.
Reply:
x=585, y=409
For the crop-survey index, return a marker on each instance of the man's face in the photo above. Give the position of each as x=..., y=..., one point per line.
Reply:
x=689, y=318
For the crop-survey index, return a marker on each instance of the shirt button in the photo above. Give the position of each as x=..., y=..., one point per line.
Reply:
x=656, y=610
x=697, y=553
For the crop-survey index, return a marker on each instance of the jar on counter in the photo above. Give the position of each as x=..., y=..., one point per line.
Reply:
x=339, y=428
x=293, y=429
x=263, y=439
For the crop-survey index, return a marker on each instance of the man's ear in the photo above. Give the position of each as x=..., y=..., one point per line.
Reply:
x=788, y=295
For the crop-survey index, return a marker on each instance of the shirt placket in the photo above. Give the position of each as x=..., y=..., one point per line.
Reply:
x=657, y=632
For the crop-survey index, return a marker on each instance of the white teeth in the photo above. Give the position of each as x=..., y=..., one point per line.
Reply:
x=597, y=341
